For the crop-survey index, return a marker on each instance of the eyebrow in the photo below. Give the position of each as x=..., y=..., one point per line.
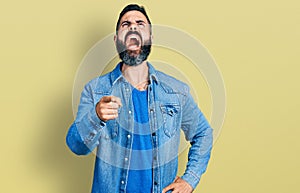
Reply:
x=137, y=21
x=140, y=21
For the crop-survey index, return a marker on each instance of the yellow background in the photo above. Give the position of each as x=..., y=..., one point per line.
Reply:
x=255, y=44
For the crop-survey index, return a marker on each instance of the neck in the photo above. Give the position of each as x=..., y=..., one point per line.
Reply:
x=138, y=75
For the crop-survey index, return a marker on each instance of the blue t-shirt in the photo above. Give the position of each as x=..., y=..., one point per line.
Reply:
x=140, y=173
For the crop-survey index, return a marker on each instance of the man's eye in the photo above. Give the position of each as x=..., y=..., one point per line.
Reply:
x=141, y=25
x=124, y=24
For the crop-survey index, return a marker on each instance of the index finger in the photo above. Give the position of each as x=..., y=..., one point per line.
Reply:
x=114, y=99
x=106, y=99
x=117, y=100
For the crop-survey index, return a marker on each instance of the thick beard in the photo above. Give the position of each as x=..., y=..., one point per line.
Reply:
x=133, y=60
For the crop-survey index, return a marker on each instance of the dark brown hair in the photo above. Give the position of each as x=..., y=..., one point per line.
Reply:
x=132, y=7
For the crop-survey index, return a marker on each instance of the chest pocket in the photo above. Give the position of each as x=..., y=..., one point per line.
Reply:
x=170, y=113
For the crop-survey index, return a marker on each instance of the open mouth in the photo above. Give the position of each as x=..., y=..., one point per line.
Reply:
x=133, y=42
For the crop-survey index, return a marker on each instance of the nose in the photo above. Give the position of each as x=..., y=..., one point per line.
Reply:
x=132, y=27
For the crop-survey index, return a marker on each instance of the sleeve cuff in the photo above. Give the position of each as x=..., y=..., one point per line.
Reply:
x=96, y=120
x=191, y=178
x=92, y=135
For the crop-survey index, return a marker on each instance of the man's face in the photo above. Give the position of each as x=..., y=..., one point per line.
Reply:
x=133, y=40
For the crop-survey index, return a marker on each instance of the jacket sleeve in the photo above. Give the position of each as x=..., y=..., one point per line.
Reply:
x=84, y=133
x=198, y=131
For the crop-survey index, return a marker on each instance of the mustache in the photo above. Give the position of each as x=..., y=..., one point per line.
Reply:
x=135, y=33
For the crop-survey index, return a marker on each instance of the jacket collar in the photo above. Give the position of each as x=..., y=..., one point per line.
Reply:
x=116, y=74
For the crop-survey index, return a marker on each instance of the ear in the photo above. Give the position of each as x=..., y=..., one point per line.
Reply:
x=151, y=37
x=115, y=39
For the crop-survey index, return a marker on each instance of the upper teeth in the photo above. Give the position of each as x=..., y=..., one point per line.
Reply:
x=133, y=36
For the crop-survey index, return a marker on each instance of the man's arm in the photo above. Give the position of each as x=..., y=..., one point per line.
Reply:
x=198, y=131
x=91, y=119
x=85, y=131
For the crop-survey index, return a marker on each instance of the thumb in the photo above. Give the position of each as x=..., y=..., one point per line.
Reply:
x=176, y=178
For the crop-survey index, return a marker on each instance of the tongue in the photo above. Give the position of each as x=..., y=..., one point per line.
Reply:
x=133, y=41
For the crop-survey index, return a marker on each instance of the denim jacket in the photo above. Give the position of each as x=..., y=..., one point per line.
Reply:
x=171, y=108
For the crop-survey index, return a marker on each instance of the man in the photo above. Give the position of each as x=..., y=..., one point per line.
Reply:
x=132, y=117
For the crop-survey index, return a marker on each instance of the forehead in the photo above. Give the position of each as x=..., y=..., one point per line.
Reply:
x=133, y=16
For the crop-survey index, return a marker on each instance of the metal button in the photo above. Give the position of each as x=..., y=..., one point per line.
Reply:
x=126, y=159
x=128, y=136
x=122, y=182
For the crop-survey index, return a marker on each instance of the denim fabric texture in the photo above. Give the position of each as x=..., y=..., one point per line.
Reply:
x=170, y=108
